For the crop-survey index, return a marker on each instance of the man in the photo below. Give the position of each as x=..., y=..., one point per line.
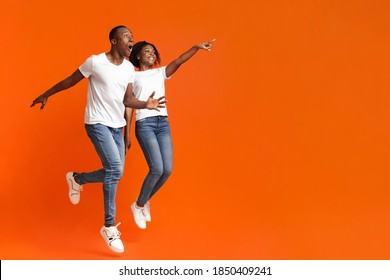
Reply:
x=110, y=77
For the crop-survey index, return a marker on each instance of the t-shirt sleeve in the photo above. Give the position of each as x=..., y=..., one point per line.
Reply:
x=132, y=75
x=86, y=67
x=163, y=70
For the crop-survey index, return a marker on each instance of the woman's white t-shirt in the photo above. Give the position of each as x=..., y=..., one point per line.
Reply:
x=145, y=82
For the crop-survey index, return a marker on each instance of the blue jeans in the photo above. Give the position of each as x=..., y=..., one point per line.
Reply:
x=154, y=136
x=110, y=147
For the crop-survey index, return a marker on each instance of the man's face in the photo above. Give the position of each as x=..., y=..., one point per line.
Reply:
x=124, y=41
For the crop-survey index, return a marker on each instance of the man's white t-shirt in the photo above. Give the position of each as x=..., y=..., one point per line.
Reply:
x=145, y=82
x=107, y=85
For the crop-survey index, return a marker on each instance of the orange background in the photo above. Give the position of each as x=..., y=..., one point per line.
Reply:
x=281, y=133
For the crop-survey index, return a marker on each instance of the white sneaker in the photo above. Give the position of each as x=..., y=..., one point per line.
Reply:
x=148, y=218
x=112, y=237
x=138, y=214
x=74, y=188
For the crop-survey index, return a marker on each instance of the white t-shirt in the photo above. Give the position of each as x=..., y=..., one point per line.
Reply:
x=107, y=85
x=145, y=82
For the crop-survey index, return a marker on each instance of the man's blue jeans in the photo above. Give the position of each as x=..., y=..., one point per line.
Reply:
x=110, y=147
x=154, y=136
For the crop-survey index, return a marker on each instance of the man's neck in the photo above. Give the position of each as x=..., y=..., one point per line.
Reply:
x=114, y=57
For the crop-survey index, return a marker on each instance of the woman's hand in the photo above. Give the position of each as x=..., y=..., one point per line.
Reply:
x=206, y=45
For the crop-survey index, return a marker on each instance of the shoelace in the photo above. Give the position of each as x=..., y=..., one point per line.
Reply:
x=141, y=210
x=116, y=232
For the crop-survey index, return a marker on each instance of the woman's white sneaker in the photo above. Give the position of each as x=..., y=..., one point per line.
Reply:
x=148, y=218
x=112, y=237
x=138, y=214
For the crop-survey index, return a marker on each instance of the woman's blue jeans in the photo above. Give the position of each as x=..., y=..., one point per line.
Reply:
x=154, y=136
x=110, y=147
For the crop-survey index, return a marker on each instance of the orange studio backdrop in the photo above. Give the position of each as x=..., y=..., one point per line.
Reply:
x=281, y=133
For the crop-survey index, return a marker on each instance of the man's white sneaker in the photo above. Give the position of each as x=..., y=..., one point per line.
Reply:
x=148, y=218
x=138, y=214
x=74, y=188
x=112, y=237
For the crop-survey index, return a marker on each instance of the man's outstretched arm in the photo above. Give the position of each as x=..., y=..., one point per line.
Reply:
x=60, y=86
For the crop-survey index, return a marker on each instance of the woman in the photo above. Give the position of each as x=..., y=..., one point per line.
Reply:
x=152, y=127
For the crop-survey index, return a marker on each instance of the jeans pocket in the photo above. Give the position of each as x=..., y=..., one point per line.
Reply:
x=142, y=120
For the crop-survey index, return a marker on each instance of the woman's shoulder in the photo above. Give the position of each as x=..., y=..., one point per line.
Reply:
x=150, y=72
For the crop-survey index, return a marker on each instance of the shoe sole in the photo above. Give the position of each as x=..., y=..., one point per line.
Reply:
x=68, y=176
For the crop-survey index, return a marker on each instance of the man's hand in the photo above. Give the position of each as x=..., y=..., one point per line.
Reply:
x=154, y=104
x=40, y=99
x=127, y=142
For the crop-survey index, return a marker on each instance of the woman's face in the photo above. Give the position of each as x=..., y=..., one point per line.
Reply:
x=147, y=56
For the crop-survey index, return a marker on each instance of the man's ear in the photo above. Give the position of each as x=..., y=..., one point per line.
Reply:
x=113, y=41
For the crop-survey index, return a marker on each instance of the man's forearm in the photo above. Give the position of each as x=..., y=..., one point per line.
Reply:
x=133, y=102
x=64, y=84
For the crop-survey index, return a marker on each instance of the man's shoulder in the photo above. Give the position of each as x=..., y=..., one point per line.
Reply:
x=94, y=57
x=97, y=56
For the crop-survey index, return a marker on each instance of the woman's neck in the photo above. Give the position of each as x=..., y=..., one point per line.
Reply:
x=144, y=67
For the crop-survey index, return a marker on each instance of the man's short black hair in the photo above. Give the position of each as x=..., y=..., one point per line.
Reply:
x=113, y=31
